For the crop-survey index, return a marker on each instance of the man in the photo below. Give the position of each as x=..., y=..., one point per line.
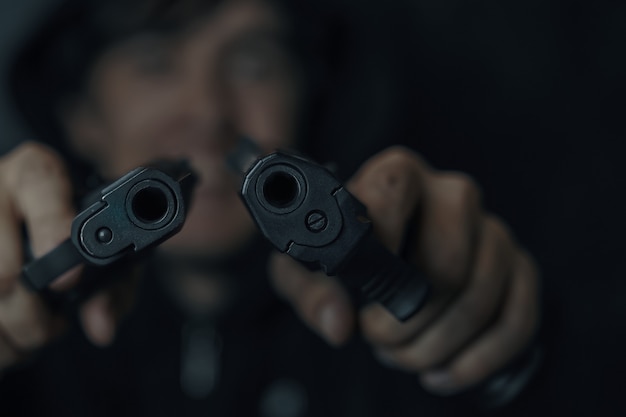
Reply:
x=187, y=79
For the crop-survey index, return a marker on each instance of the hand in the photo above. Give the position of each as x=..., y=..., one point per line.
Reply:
x=35, y=191
x=484, y=306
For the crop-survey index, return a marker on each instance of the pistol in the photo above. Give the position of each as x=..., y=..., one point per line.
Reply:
x=307, y=213
x=122, y=221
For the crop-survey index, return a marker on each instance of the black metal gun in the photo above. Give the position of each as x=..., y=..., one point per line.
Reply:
x=304, y=211
x=125, y=219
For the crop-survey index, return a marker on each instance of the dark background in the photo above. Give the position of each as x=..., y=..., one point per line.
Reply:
x=17, y=18
x=528, y=98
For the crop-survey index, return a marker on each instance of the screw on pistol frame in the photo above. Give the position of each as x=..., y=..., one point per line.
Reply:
x=316, y=221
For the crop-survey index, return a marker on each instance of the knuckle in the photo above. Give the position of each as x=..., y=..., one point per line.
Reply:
x=463, y=190
x=519, y=330
x=424, y=361
x=30, y=333
x=450, y=262
x=375, y=335
x=471, y=369
x=529, y=266
x=401, y=156
x=418, y=357
x=497, y=230
x=393, y=171
x=309, y=308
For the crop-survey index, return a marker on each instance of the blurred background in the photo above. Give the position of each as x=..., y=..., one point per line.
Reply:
x=525, y=96
x=17, y=19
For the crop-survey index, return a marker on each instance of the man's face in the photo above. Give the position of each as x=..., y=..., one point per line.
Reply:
x=192, y=95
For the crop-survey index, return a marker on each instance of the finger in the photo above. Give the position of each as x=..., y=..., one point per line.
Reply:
x=499, y=344
x=471, y=312
x=42, y=193
x=26, y=321
x=447, y=229
x=390, y=186
x=10, y=242
x=98, y=319
x=319, y=300
x=8, y=354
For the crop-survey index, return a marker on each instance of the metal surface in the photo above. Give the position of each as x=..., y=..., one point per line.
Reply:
x=132, y=215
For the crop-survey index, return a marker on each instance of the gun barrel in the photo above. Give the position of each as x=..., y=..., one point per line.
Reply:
x=132, y=215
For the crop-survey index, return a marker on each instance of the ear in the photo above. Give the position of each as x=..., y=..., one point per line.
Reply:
x=85, y=129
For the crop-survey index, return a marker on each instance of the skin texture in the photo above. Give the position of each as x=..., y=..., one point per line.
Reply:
x=191, y=96
x=484, y=309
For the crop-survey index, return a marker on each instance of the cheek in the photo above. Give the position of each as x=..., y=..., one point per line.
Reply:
x=135, y=122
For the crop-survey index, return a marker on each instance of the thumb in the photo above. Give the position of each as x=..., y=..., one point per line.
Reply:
x=98, y=319
x=391, y=186
x=101, y=314
x=320, y=301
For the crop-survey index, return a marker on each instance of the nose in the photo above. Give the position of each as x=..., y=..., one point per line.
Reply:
x=208, y=116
